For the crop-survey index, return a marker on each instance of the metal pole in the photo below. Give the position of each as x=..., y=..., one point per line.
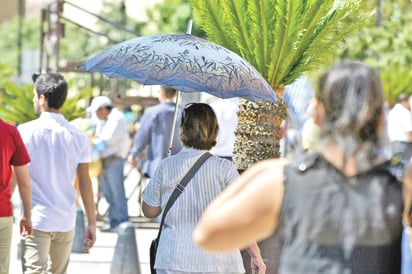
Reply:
x=20, y=36
x=174, y=123
x=379, y=13
x=188, y=31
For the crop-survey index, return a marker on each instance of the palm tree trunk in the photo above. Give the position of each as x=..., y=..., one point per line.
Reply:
x=257, y=138
x=258, y=132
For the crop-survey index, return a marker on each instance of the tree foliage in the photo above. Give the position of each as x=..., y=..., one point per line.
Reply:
x=282, y=39
x=171, y=16
x=385, y=44
x=16, y=99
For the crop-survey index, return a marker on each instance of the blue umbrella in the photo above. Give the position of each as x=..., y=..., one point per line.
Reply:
x=185, y=62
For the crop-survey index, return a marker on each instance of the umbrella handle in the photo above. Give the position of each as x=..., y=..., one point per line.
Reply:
x=189, y=26
x=174, y=124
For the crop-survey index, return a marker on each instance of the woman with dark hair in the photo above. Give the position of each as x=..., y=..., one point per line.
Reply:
x=177, y=252
x=338, y=210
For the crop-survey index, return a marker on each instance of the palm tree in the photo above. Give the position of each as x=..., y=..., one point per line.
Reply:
x=282, y=39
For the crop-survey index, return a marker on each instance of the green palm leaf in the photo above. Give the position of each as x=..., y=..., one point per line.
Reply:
x=281, y=38
x=396, y=81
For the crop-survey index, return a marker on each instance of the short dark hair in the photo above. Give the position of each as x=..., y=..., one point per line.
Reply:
x=199, y=126
x=53, y=86
x=169, y=91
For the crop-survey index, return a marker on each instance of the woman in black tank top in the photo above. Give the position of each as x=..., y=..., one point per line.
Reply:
x=339, y=210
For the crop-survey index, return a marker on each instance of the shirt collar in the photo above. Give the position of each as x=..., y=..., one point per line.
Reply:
x=52, y=115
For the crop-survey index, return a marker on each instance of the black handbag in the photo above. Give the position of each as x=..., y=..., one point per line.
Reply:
x=177, y=191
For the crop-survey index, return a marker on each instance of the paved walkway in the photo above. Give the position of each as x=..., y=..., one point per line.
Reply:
x=100, y=257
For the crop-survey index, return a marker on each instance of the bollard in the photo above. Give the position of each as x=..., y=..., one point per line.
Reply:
x=125, y=257
x=78, y=241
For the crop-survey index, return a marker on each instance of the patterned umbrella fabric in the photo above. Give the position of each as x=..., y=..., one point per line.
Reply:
x=185, y=62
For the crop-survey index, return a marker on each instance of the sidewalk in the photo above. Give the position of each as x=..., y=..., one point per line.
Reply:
x=99, y=259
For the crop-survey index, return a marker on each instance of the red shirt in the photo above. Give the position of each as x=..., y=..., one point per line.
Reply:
x=12, y=152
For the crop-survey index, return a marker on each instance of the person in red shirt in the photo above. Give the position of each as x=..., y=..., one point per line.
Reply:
x=13, y=158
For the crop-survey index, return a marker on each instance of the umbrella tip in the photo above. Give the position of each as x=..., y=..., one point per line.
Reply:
x=189, y=26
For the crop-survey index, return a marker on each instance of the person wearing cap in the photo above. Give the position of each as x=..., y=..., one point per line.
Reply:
x=400, y=128
x=111, y=137
x=58, y=153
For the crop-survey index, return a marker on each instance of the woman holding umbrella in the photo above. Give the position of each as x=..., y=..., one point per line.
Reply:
x=177, y=252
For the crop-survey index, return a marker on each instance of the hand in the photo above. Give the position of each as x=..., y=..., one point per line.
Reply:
x=132, y=161
x=257, y=265
x=89, y=238
x=26, y=228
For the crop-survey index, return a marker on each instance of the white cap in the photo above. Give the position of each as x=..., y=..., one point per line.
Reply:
x=98, y=102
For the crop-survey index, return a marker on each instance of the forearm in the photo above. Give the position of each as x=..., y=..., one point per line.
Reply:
x=86, y=192
x=23, y=181
x=253, y=250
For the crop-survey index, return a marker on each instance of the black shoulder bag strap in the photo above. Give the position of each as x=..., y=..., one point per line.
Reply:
x=181, y=186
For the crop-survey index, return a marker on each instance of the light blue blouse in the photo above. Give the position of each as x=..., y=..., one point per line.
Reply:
x=177, y=250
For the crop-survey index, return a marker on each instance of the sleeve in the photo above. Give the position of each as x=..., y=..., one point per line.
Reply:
x=231, y=172
x=86, y=151
x=151, y=194
x=111, y=131
x=20, y=156
x=406, y=122
x=142, y=136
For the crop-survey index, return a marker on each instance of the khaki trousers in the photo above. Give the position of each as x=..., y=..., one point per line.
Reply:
x=41, y=246
x=6, y=229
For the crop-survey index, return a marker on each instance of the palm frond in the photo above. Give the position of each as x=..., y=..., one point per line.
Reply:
x=396, y=81
x=234, y=11
x=285, y=37
x=262, y=21
x=212, y=18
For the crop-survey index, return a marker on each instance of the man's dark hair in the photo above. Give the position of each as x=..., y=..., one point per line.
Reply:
x=169, y=91
x=53, y=86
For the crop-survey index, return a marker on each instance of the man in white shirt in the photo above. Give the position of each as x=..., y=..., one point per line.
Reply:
x=58, y=153
x=112, y=136
x=400, y=128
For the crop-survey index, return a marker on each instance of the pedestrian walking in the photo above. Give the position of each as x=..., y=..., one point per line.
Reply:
x=177, y=252
x=339, y=209
x=154, y=133
x=13, y=158
x=58, y=153
x=400, y=128
x=112, y=138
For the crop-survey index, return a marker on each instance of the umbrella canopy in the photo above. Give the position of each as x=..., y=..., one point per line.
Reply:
x=184, y=62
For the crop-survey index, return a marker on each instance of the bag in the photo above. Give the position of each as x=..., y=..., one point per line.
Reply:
x=153, y=250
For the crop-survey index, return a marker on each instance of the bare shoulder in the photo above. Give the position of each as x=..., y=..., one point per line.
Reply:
x=269, y=165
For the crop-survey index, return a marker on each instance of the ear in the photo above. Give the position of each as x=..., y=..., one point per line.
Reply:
x=42, y=101
x=318, y=112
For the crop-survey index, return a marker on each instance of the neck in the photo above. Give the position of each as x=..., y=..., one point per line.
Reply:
x=347, y=166
x=53, y=110
x=336, y=157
